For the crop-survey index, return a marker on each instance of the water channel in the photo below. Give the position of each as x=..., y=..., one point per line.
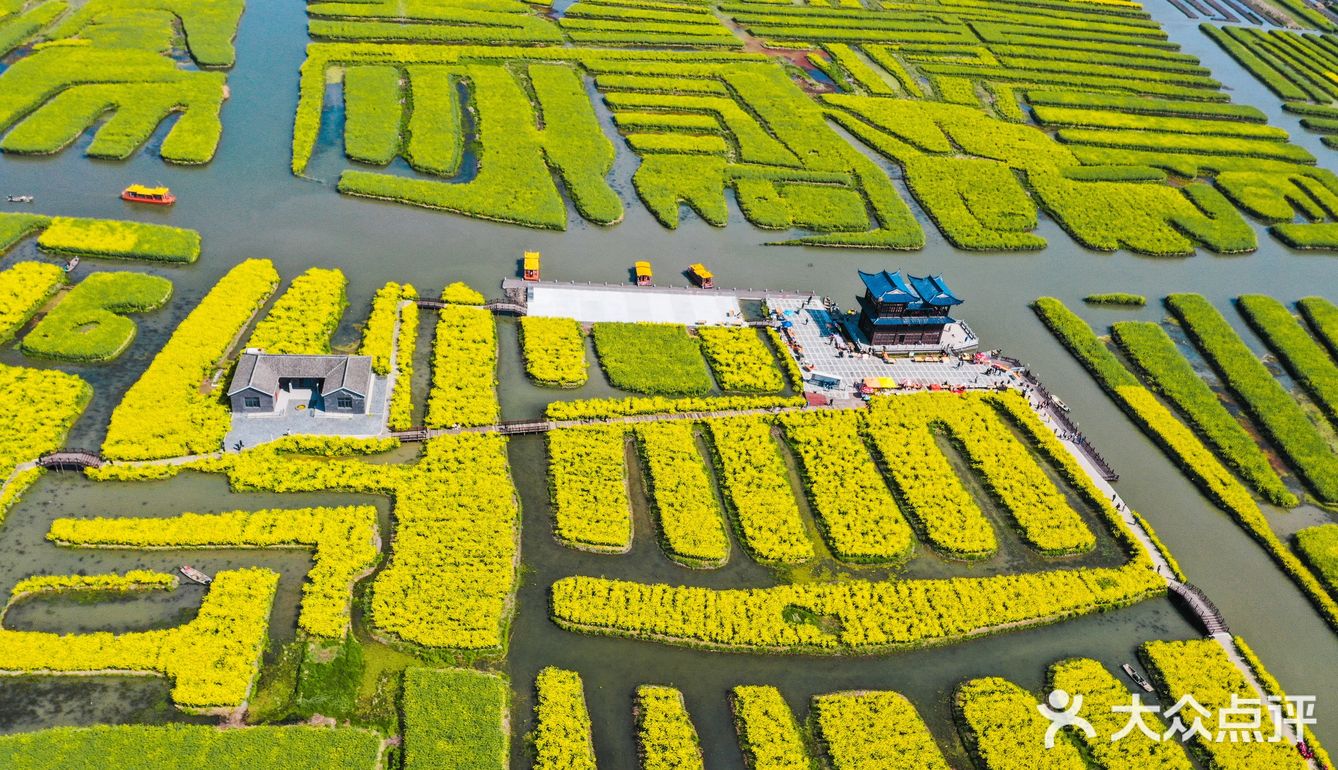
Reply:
x=247, y=204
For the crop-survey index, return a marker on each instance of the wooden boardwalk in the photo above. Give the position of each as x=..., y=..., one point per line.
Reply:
x=523, y=427
x=499, y=306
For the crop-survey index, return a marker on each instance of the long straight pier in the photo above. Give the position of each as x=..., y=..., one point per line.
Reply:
x=510, y=285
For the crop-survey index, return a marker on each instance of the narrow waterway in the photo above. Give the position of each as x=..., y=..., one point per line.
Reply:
x=247, y=204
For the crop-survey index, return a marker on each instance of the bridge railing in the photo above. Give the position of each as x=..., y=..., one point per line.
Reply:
x=76, y=458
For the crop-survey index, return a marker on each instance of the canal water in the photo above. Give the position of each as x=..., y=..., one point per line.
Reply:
x=247, y=204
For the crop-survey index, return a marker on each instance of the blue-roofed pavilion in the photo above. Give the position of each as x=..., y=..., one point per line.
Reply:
x=898, y=309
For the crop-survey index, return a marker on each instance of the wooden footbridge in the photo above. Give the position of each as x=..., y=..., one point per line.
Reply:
x=498, y=306
x=1201, y=605
x=71, y=459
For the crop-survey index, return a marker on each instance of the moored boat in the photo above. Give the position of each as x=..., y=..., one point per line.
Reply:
x=138, y=193
x=643, y=273
x=195, y=575
x=1137, y=677
x=701, y=276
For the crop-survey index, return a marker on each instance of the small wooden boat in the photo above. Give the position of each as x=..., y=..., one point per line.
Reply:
x=530, y=267
x=701, y=276
x=19, y=198
x=1137, y=677
x=195, y=575
x=643, y=273
x=138, y=193
x=71, y=265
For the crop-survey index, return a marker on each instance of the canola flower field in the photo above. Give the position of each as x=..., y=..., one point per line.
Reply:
x=658, y=580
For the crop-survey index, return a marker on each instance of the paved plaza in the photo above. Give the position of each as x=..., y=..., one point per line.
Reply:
x=823, y=351
x=589, y=304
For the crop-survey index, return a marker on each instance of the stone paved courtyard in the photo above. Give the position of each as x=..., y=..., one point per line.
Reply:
x=254, y=429
x=828, y=353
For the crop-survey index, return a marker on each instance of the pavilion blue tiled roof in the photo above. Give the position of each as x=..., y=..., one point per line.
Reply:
x=912, y=291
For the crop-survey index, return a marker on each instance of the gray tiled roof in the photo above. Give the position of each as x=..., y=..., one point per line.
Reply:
x=262, y=371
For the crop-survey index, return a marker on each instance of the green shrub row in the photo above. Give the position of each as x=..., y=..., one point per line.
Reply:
x=513, y=183
x=456, y=719
x=1214, y=145
x=1322, y=315
x=135, y=109
x=1146, y=106
x=1262, y=70
x=1116, y=298
x=1305, y=359
x=363, y=31
x=373, y=113
x=145, y=747
x=977, y=203
x=16, y=227
x=114, y=239
x=574, y=143
x=1167, y=372
x=56, y=87
x=17, y=29
x=687, y=144
x=1180, y=444
x=658, y=359
x=88, y=324
x=435, y=143
x=1086, y=118
x=1273, y=408
x=1317, y=110
x=1321, y=236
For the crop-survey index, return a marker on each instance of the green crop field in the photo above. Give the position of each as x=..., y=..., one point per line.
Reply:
x=308, y=468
